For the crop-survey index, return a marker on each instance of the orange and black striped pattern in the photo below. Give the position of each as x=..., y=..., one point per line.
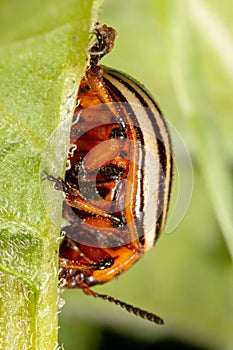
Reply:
x=118, y=178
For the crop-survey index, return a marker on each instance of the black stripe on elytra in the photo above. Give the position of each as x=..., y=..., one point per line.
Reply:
x=147, y=93
x=155, y=126
x=115, y=92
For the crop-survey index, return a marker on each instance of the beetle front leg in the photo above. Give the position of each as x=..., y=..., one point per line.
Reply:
x=60, y=184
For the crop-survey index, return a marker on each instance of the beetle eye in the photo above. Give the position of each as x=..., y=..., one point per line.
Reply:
x=117, y=133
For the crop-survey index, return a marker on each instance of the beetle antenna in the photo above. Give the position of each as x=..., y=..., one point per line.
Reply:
x=130, y=308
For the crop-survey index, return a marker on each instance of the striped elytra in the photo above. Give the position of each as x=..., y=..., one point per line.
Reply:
x=117, y=184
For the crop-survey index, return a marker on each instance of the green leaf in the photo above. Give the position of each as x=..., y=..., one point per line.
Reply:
x=42, y=57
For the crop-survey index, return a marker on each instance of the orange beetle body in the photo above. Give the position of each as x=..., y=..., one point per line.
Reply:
x=118, y=179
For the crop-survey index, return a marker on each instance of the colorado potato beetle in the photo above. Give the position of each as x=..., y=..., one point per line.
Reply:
x=118, y=178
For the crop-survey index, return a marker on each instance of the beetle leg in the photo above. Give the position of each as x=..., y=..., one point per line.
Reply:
x=75, y=200
x=60, y=184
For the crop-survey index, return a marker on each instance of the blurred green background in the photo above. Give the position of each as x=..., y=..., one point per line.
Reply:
x=183, y=52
